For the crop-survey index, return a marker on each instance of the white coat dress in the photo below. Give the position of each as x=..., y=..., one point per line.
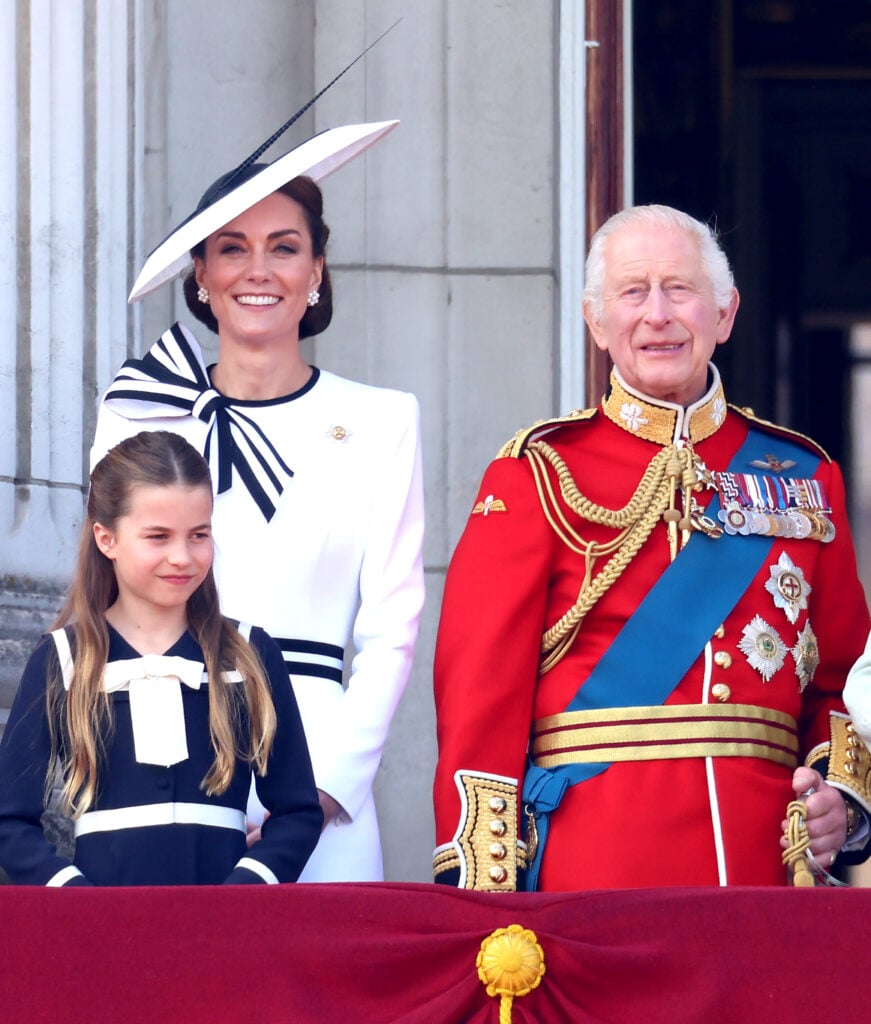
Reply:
x=318, y=539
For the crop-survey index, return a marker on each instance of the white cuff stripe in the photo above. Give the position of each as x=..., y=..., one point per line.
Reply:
x=63, y=876
x=309, y=658
x=258, y=868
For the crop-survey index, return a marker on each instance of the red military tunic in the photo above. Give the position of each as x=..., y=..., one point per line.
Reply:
x=694, y=820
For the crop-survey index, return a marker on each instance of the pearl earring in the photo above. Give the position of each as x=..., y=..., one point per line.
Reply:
x=203, y=295
x=313, y=297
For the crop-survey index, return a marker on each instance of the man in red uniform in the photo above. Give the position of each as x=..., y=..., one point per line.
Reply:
x=648, y=620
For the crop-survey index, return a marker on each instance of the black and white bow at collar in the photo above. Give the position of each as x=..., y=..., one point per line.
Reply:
x=171, y=380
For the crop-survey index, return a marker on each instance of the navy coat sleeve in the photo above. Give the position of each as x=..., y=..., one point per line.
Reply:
x=25, y=751
x=287, y=791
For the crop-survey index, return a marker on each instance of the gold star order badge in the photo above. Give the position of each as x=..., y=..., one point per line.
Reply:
x=763, y=648
x=806, y=655
x=788, y=587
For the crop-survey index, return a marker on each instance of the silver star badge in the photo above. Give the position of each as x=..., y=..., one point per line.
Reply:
x=788, y=587
x=763, y=647
x=807, y=656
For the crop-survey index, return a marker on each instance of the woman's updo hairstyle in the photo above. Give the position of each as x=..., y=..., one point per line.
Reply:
x=306, y=192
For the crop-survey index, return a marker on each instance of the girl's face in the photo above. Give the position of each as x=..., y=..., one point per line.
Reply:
x=162, y=549
x=259, y=270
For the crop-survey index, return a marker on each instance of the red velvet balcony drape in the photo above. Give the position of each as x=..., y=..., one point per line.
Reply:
x=405, y=954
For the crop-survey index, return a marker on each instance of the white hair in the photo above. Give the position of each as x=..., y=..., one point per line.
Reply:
x=714, y=263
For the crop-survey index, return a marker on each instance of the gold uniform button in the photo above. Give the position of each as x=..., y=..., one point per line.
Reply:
x=498, y=827
x=720, y=632
x=498, y=874
x=721, y=692
x=722, y=659
x=498, y=851
x=497, y=804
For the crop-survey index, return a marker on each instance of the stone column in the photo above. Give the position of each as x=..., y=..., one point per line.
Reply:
x=64, y=124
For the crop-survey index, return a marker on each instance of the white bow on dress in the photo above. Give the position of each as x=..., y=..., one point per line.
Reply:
x=154, y=682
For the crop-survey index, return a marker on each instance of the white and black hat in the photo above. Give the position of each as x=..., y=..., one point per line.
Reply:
x=234, y=193
x=238, y=190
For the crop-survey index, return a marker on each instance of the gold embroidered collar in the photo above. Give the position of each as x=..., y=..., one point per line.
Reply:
x=663, y=422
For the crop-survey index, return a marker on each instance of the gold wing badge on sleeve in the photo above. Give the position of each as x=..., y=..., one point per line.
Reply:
x=488, y=505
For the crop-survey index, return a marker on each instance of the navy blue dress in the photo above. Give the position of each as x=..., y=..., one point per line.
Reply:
x=164, y=830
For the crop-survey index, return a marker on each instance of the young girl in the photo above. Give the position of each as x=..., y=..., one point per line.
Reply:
x=157, y=707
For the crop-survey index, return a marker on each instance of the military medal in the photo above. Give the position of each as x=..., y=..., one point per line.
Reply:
x=763, y=648
x=806, y=655
x=768, y=506
x=801, y=523
x=734, y=519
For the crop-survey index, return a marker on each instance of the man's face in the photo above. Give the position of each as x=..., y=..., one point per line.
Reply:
x=660, y=323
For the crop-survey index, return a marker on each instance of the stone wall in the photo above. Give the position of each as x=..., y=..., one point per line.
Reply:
x=27, y=608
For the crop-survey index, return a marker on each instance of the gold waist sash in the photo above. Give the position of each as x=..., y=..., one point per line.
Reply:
x=671, y=731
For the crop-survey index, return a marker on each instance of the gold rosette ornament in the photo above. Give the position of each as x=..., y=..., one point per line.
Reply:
x=510, y=963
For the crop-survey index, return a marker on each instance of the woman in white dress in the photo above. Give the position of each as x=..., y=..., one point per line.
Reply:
x=318, y=518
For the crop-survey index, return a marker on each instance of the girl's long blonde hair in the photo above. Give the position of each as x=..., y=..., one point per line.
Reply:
x=151, y=458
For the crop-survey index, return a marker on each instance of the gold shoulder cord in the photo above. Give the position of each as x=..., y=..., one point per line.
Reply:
x=654, y=498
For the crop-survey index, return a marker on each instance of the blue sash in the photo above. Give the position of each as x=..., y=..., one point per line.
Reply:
x=691, y=599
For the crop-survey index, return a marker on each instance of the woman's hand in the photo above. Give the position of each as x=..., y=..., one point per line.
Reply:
x=826, y=815
x=332, y=808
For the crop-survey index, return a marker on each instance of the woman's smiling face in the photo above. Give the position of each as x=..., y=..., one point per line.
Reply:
x=259, y=269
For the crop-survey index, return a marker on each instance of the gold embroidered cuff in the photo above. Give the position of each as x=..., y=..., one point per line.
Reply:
x=849, y=761
x=486, y=847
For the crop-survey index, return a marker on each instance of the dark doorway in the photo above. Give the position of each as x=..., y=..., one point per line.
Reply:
x=757, y=114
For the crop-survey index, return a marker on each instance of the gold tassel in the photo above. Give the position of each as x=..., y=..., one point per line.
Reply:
x=794, y=856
